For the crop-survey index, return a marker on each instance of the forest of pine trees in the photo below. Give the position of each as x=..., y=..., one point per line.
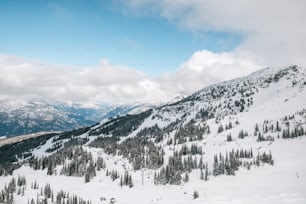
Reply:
x=80, y=163
x=137, y=150
x=44, y=194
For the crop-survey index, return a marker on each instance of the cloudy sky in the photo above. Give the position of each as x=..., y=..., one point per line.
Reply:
x=141, y=50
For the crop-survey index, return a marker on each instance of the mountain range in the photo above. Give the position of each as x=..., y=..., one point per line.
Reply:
x=25, y=116
x=238, y=141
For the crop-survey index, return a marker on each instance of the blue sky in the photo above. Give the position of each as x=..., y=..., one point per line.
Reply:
x=84, y=32
x=156, y=49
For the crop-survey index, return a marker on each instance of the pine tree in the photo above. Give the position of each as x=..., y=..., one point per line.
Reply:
x=195, y=194
x=201, y=174
x=87, y=178
x=229, y=138
x=186, y=177
x=206, y=173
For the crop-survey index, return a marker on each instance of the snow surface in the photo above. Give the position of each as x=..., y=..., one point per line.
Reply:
x=282, y=183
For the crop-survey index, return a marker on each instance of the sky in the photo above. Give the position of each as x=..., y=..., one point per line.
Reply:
x=141, y=50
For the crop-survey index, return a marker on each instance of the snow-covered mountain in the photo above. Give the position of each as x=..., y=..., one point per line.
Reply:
x=239, y=141
x=22, y=116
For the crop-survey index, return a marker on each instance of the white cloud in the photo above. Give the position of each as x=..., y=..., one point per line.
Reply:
x=274, y=35
x=20, y=77
x=274, y=30
x=205, y=68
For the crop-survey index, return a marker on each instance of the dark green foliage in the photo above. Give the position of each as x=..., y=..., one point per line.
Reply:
x=64, y=197
x=55, y=146
x=72, y=134
x=9, y=153
x=229, y=126
x=295, y=132
x=193, y=150
x=195, y=195
x=186, y=177
x=109, y=144
x=205, y=114
x=177, y=165
x=265, y=158
x=140, y=151
x=231, y=162
x=137, y=150
x=190, y=132
x=242, y=134
x=153, y=131
x=81, y=163
x=100, y=164
x=229, y=138
x=7, y=194
x=21, y=181
x=157, y=133
x=126, y=180
x=206, y=173
x=113, y=174
x=262, y=138
x=87, y=177
x=240, y=104
x=47, y=191
x=220, y=128
x=76, y=142
x=90, y=171
x=121, y=126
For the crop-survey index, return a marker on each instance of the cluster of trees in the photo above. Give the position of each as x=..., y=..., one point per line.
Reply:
x=142, y=153
x=47, y=195
x=44, y=196
x=193, y=149
x=7, y=194
x=244, y=92
x=71, y=134
x=108, y=144
x=114, y=174
x=139, y=151
x=190, y=132
x=121, y=126
x=297, y=131
x=180, y=165
x=227, y=127
x=271, y=127
x=267, y=127
x=231, y=161
x=205, y=114
x=264, y=158
x=80, y=163
x=55, y=146
x=177, y=165
x=125, y=179
x=158, y=134
x=229, y=137
x=154, y=132
x=242, y=134
x=12, y=154
x=76, y=141
x=261, y=138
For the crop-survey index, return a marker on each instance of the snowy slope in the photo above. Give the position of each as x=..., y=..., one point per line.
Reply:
x=263, y=113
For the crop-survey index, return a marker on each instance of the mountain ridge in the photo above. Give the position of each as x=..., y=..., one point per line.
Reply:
x=229, y=136
x=26, y=116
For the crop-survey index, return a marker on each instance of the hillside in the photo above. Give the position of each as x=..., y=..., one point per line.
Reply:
x=239, y=141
